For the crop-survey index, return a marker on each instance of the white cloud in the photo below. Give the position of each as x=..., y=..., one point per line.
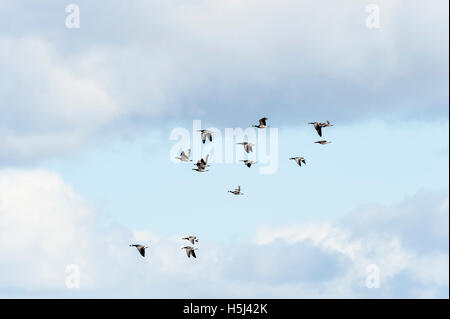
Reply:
x=45, y=225
x=322, y=234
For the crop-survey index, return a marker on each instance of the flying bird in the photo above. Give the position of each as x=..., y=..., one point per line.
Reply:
x=184, y=156
x=248, y=163
x=192, y=239
x=140, y=248
x=206, y=135
x=299, y=160
x=318, y=126
x=190, y=251
x=326, y=124
x=202, y=164
x=323, y=142
x=248, y=147
x=262, y=123
x=237, y=191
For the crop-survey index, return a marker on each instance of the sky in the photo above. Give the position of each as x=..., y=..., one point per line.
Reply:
x=89, y=123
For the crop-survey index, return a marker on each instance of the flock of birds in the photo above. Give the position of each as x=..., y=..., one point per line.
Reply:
x=190, y=251
x=202, y=165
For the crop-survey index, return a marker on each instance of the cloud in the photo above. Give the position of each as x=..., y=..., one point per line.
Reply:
x=45, y=225
x=420, y=222
x=49, y=104
x=140, y=64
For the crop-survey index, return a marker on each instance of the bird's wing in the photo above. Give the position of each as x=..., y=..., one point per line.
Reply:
x=319, y=130
x=263, y=121
x=238, y=189
x=141, y=250
x=206, y=158
x=210, y=136
x=192, y=240
x=249, y=164
x=193, y=254
x=203, y=137
x=188, y=153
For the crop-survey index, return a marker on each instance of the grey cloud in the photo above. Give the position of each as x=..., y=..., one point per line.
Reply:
x=150, y=61
x=420, y=222
x=283, y=263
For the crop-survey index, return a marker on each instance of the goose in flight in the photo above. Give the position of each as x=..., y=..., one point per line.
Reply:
x=248, y=163
x=326, y=124
x=299, y=160
x=206, y=135
x=140, y=248
x=184, y=156
x=318, y=126
x=237, y=191
x=262, y=123
x=190, y=251
x=192, y=239
x=202, y=164
x=248, y=147
x=323, y=142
